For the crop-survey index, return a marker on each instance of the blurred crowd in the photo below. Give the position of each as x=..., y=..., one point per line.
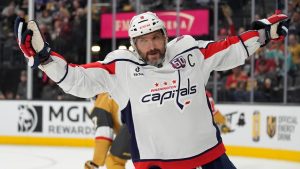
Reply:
x=63, y=24
x=271, y=68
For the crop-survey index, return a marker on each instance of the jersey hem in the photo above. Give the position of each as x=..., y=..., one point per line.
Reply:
x=187, y=163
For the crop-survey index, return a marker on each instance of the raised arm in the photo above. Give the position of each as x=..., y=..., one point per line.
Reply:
x=80, y=80
x=234, y=50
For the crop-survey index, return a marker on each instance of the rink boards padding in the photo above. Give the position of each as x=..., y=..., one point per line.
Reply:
x=265, y=131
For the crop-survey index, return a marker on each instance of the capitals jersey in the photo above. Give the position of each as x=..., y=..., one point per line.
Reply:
x=165, y=109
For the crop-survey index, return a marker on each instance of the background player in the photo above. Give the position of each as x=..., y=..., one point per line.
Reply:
x=106, y=118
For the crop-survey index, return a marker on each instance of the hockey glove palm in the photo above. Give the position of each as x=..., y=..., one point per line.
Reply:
x=31, y=42
x=275, y=27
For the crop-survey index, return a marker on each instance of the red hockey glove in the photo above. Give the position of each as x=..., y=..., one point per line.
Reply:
x=276, y=27
x=31, y=42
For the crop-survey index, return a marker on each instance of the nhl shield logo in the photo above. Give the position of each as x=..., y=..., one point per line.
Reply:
x=271, y=126
x=30, y=118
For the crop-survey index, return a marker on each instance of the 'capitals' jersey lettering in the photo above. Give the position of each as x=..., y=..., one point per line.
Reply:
x=161, y=97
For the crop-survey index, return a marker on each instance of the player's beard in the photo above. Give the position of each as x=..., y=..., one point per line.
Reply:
x=154, y=60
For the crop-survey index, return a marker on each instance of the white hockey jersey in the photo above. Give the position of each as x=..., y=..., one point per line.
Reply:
x=165, y=108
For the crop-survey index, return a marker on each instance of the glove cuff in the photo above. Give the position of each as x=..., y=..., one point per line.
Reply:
x=264, y=36
x=42, y=56
x=260, y=24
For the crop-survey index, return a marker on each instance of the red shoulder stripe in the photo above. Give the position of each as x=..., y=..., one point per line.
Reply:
x=249, y=34
x=108, y=67
x=57, y=55
x=218, y=46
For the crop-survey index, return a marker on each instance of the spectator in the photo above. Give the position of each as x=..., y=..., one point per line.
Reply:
x=1, y=95
x=149, y=5
x=266, y=92
x=124, y=5
x=59, y=42
x=234, y=82
x=79, y=31
x=275, y=51
x=230, y=30
x=294, y=48
x=264, y=68
x=58, y=24
x=240, y=94
x=8, y=16
x=22, y=87
x=263, y=65
x=50, y=91
x=63, y=11
x=295, y=21
x=23, y=5
x=45, y=18
x=227, y=12
x=224, y=32
x=290, y=9
x=9, y=95
x=237, y=75
x=21, y=13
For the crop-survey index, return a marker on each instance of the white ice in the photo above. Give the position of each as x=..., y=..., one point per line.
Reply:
x=35, y=157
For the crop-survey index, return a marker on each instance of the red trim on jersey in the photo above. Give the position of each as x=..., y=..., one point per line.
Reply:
x=218, y=46
x=215, y=47
x=249, y=34
x=109, y=67
x=57, y=55
x=103, y=138
x=193, y=162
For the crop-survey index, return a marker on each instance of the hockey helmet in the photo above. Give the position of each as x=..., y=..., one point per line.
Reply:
x=144, y=23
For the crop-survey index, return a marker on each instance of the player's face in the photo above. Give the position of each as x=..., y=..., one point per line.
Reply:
x=151, y=47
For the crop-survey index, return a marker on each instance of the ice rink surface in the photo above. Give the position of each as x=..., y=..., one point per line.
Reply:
x=34, y=157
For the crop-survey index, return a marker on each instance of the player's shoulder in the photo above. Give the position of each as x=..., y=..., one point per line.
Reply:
x=184, y=39
x=188, y=41
x=120, y=55
x=203, y=43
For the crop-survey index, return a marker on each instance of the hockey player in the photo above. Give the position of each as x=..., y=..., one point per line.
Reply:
x=219, y=118
x=105, y=115
x=160, y=87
